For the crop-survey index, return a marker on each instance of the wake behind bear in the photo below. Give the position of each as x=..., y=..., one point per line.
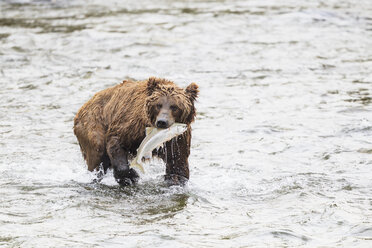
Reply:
x=111, y=125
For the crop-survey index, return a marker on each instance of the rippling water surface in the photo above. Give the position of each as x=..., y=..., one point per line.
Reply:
x=281, y=150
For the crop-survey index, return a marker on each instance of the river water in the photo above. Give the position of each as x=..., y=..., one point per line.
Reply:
x=281, y=150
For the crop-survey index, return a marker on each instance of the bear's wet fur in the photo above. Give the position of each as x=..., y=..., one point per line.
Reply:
x=111, y=125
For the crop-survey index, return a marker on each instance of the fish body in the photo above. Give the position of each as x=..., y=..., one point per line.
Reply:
x=155, y=137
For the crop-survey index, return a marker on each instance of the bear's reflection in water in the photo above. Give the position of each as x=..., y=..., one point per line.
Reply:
x=152, y=200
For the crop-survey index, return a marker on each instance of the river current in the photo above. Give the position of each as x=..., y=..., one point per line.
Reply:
x=281, y=151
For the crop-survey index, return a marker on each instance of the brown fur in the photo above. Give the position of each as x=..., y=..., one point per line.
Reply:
x=111, y=125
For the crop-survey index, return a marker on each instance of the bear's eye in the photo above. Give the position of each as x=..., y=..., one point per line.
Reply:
x=173, y=107
x=159, y=106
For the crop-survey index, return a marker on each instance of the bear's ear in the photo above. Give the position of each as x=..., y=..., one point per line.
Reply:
x=152, y=85
x=192, y=91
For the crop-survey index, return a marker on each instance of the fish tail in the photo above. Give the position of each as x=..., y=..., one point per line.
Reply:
x=139, y=166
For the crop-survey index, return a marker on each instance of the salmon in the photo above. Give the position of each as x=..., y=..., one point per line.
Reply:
x=155, y=137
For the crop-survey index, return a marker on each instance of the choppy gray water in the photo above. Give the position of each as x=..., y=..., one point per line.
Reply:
x=282, y=148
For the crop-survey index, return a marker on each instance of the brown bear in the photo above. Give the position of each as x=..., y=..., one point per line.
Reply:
x=111, y=126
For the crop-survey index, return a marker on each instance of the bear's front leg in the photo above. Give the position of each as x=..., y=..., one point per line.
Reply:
x=175, y=156
x=119, y=161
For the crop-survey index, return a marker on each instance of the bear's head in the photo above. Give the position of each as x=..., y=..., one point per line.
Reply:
x=167, y=103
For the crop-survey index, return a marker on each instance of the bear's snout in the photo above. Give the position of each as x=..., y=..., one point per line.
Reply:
x=165, y=116
x=162, y=124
